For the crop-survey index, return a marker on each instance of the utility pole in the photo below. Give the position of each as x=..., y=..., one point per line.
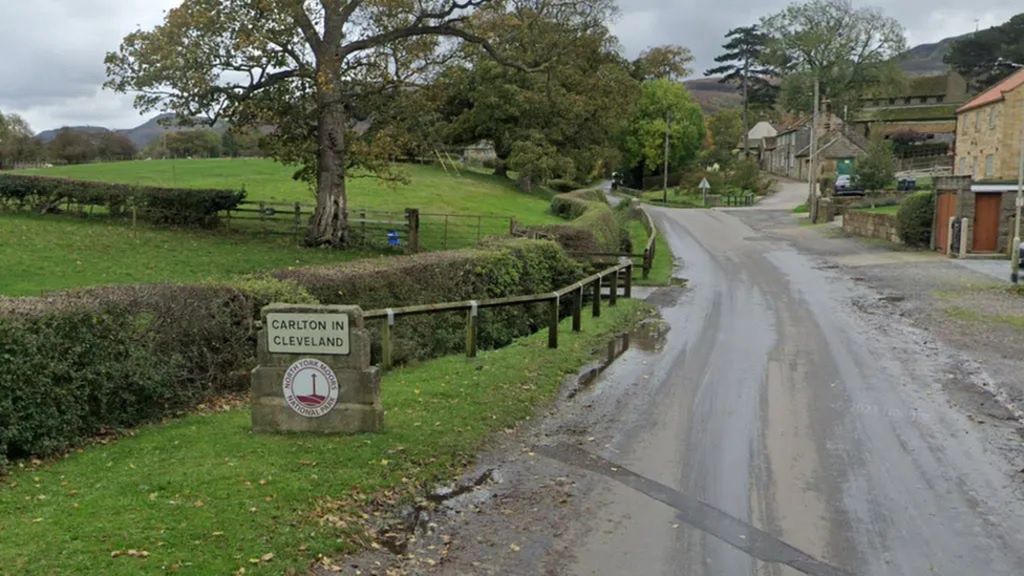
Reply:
x=1015, y=249
x=746, y=106
x=668, y=128
x=813, y=158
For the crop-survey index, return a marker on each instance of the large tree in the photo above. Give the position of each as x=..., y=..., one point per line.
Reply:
x=566, y=113
x=726, y=129
x=845, y=49
x=988, y=56
x=744, y=64
x=312, y=69
x=664, y=107
x=17, y=143
x=670, y=62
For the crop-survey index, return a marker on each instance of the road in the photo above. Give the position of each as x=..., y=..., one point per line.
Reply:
x=790, y=423
x=787, y=408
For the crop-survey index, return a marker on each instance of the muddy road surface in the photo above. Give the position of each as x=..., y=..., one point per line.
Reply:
x=791, y=422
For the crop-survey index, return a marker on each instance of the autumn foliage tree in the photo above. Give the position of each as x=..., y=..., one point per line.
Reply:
x=315, y=70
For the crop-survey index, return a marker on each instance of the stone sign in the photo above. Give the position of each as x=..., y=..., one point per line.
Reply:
x=314, y=372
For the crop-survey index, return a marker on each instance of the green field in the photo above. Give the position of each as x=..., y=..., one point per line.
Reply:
x=45, y=253
x=204, y=495
x=429, y=189
x=39, y=254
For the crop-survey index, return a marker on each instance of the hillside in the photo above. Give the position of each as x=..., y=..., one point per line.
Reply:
x=712, y=95
x=927, y=59
x=141, y=135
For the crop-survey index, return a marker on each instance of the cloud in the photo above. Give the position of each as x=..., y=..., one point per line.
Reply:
x=52, y=70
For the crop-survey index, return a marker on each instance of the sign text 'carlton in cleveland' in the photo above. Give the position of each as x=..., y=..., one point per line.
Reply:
x=308, y=334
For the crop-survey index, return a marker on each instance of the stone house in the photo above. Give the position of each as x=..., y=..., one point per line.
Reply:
x=788, y=154
x=756, y=138
x=990, y=129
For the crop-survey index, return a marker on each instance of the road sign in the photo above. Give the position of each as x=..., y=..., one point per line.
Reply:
x=705, y=185
x=308, y=333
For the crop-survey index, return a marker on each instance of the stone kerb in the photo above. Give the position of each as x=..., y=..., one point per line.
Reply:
x=314, y=373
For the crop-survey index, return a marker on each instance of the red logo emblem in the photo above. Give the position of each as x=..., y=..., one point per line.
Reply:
x=310, y=388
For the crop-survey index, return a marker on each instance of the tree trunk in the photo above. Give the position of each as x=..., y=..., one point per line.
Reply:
x=329, y=225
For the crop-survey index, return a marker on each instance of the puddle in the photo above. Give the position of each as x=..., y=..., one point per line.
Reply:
x=650, y=335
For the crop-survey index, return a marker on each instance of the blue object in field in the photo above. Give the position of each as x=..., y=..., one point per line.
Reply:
x=394, y=240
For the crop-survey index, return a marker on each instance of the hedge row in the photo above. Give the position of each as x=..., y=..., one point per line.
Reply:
x=176, y=206
x=502, y=268
x=77, y=364
x=593, y=227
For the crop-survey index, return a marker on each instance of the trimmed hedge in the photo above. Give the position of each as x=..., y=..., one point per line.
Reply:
x=594, y=227
x=78, y=364
x=176, y=206
x=914, y=219
x=81, y=363
x=502, y=268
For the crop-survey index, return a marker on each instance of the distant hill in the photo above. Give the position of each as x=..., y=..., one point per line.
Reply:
x=926, y=59
x=712, y=95
x=141, y=135
x=47, y=136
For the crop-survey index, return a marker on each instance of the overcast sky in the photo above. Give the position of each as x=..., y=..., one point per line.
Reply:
x=52, y=68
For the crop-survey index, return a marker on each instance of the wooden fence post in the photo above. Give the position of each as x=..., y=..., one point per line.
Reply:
x=613, y=298
x=629, y=281
x=597, y=298
x=385, y=340
x=472, y=326
x=553, y=323
x=412, y=215
x=577, y=310
x=648, y=259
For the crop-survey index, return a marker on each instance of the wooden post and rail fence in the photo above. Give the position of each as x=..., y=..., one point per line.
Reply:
x=617, y=277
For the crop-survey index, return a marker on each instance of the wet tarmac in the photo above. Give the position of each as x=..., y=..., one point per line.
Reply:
x=785, y=424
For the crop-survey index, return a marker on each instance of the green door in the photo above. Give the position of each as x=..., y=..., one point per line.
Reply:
x=844, y=166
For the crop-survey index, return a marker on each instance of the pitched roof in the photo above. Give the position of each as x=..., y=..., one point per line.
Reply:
x=995, y=93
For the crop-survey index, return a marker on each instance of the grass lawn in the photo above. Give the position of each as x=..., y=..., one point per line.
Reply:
x=203, y=495
x=45, y=253
x=675, y=199
x=430, y=188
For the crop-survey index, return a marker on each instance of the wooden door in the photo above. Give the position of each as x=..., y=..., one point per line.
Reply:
x=945, y=209
x=986, y=221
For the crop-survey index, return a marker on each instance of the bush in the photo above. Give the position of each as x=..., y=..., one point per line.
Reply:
x=496, y=270
x=175, y=206
x=914, y=220
x=594, y=227
x=82, y=362
x=562, y=185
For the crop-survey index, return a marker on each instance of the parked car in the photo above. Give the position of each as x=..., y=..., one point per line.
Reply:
x=846, y=186
x=906, y=184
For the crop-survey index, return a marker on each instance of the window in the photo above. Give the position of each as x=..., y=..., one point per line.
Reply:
x=977, y=121
x=990, y=166
x=992, y=118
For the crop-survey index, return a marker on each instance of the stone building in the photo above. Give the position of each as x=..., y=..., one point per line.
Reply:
x=989, y=130
x=788, y=153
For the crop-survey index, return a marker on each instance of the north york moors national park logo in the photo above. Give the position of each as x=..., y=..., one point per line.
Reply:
x=310, y=388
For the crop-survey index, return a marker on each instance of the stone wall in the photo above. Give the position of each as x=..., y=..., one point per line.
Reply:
x=871, y=225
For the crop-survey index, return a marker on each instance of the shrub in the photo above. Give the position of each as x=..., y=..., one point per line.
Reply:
x=495, y=270
x=562, y=185
x=594, y=227
x=184, y=207
x=78, y=363
x=914, y=219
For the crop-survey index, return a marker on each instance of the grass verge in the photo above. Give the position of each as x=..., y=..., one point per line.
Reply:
x=203, y=495
x=664, y=261
x=45, y=253
x=975, y=316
